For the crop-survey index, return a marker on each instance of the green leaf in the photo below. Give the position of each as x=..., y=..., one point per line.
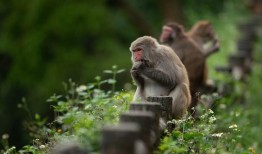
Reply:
x=192, y=135
x=104, y=81
x=108, y=71
x=68, y=120
x=111, y=81
x=120, y=71
x=90, y=86
x=114, y=67
x=97, y=78
x=88, y=106
x=37, y=116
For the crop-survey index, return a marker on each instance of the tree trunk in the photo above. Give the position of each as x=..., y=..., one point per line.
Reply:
x=171, y=11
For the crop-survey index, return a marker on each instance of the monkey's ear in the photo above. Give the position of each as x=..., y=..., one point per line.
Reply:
x=181, y=28
x=208, y=22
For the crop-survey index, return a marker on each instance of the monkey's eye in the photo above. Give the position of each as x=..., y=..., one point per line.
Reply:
x=137, y=49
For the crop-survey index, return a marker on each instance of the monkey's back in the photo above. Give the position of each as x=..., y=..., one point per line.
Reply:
x=177, y=68
x=193, y=59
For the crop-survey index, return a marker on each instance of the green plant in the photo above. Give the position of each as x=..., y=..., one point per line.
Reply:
x=200, y=136
x=85, y=109
x=79, y=115
x=114, y=71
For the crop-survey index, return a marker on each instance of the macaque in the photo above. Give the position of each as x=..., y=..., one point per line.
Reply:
x=255, y=6
x=157, y=71
x=203, y=34
x=190, y=54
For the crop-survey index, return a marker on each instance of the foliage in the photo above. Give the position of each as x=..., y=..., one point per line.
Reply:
x=198, y=136
x=80, y=115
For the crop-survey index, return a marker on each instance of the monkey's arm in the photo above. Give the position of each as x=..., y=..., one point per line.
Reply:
x=212, y=49
x=137, y=77
x=160, y=77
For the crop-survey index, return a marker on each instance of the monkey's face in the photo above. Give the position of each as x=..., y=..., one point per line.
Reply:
x=143, y=48
x=167, y=34
x=208, y=34
x=137, y=54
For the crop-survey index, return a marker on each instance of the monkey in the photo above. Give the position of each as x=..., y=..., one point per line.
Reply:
x=255, y=6
x=174, y=36
x=203, y=34
x=158, y=71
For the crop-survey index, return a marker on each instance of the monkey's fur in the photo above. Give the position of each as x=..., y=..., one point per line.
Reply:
x=190, y=54
x=160, y=73
x=203, y=34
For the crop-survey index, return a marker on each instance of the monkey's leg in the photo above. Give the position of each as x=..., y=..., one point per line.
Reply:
x=139, y=95
x=181, y=101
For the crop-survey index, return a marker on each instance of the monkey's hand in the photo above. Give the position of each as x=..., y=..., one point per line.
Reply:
x=134, y=72
x=142, y=65
x=136, y=65
x=214, y=48
x=136, y=75
x=216, y=45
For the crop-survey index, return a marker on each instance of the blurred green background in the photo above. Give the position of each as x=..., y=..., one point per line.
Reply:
x=46, y=42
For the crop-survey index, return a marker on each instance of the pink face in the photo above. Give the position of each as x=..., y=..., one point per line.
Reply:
x=166, y=32
x=138, y=54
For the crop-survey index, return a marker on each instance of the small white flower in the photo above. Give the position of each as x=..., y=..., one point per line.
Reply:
x=215, y=94
x=19, y=105
x=222, y=106
x=232, y=126
x=237, y=114
x=178, y=122
x=42, y=146
x=5, y=136
x=10, y=150
x=217, y=135
x=235, y=129
x=204, y=116
x=81, y=88
x=115, y=106
x=212, y=119
x=210, y=111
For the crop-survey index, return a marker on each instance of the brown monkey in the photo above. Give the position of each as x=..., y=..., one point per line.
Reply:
x=190, y=54
x=157, y=71
x=203, y=34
